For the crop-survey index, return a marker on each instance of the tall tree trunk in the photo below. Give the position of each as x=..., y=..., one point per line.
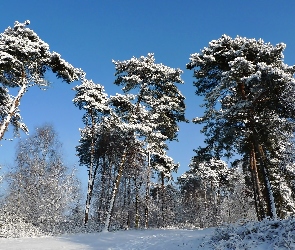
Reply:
x=256, y=185
x=136, y=203
x=254, y=188
x=263, y=197
x=271, y=207
x=90, y=173
x=162, y=198
x=129, y=204
x=263, y=170
x=147, y=193
x=115, y=192
x=253, y=162
x=102, y=191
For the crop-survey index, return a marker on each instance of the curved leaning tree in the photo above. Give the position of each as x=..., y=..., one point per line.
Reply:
x=249, y=110
x=24, y=60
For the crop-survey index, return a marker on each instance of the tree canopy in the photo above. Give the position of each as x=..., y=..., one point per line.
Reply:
x=249, y=106
x=24, y=61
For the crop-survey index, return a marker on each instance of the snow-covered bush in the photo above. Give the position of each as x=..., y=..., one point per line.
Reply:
x=12, y=226
x=267, y=234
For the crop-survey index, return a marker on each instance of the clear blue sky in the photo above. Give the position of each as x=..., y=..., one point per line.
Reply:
x=90, y=33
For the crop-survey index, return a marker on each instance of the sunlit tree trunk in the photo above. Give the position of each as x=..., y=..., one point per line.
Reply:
x=115, y=192
x=91, y=172
x=13, y=108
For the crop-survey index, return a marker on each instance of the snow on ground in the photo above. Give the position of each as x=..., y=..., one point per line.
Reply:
x=266, y=234
x=170, y=239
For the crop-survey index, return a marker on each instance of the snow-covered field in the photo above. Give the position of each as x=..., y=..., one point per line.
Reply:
x=267, y=234
x=170, y=239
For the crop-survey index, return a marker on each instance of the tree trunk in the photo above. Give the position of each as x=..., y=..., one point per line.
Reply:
x=147, y=193
x=162, y=198
x=262, y=170
x=256, y=185
x=12, y=110
x=115, y=192
x=102, y=191
x=136, y=204
x=91, y=175
x=253, y=163
x=271, y=207
x=129, y=204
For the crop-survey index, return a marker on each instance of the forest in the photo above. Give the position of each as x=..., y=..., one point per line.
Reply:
x=244, y=172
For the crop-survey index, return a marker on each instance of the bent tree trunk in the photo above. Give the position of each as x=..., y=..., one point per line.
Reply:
x=12, y=110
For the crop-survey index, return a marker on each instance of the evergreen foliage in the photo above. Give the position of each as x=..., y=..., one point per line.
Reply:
x=249, y=119
x=247, y=110
x=24, y=61
x=122, y=129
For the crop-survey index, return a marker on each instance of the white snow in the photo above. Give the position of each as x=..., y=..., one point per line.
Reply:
x=267, y=234
x=171, y=239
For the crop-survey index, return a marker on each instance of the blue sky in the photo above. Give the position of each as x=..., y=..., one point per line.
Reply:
x=90, y=33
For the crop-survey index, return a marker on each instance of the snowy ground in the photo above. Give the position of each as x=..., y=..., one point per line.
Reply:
x=266, y=234
x=170, y=239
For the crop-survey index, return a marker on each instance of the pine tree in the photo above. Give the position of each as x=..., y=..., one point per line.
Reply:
x=245, y=84
x=91, y=98
x=134, y=126
x=159, y=105
x=24, y=60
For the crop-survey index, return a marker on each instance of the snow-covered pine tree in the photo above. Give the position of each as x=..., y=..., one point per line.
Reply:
x=157, y=93
x=103, y=144
x=24, y=60
x=156, y=90
x=133, y=125
x=249, y=109
x=92, y=98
